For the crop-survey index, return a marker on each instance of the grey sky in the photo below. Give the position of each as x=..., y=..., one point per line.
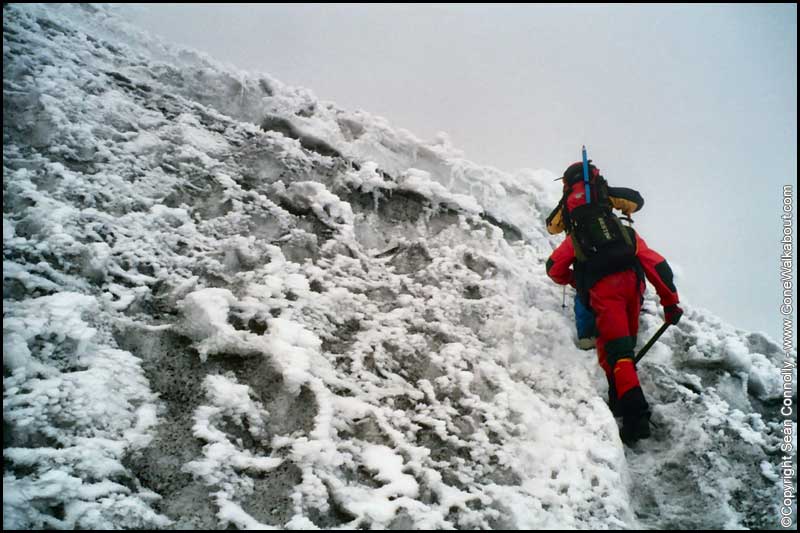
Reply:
x=693, y=105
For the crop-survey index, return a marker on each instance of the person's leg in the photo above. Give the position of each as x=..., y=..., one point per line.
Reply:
x=609, y=305
x=633, y=405
x=584, y=323
x=615, y=300
x=601, y=360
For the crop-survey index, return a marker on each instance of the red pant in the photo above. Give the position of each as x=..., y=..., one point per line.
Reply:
x=616, y=300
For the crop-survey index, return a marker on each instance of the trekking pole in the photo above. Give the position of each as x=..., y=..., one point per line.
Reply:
x=650, y=343
x=564, y=301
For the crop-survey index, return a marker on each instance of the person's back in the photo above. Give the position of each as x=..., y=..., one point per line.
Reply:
x=626, y=200
x=608, y=263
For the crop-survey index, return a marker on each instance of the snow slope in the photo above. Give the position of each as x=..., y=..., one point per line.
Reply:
x=324, y=323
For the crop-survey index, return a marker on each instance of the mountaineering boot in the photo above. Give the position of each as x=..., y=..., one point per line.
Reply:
x=587, y=343
x=635, y=416
x=634, y=430
x=613, y=405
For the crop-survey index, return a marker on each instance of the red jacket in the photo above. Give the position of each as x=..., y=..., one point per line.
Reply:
x=655, y=267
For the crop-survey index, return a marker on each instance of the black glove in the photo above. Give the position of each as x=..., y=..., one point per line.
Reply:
x=672, y=314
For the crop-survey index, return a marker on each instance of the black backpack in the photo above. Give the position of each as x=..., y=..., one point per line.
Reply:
x=603, y=245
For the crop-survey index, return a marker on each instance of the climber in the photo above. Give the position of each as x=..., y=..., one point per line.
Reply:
x=607, y=263
x=626, y=200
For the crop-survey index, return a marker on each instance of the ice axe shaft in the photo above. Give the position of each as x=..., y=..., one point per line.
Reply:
x=588, y=194
x=650, y=343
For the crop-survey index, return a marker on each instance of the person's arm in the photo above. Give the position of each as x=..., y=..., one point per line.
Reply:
x=626, y=200
x=658, y=272
x=559, y=263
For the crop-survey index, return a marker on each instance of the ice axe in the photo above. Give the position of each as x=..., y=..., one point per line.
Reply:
x=650, y=343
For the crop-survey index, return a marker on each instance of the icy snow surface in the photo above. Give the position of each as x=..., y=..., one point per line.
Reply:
x=326, y=323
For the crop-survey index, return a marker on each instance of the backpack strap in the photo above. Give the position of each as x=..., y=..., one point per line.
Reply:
x=600, y=192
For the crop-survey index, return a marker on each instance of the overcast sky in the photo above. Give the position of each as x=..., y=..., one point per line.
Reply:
x=693, y=105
